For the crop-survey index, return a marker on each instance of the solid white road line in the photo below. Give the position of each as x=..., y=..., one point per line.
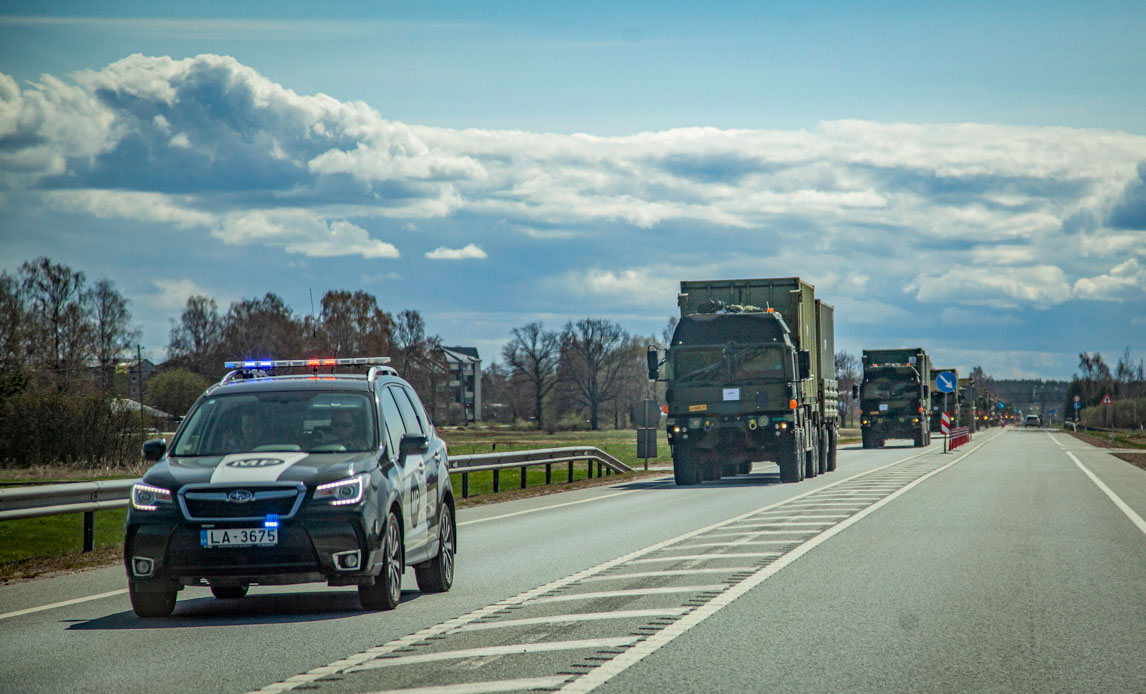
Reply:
x=607, y=671
x=65, y=603
x=545, y=508
x=511, y=649
x=1134, y=517
x=576, y=617
x=634, y=591
x=484, y=687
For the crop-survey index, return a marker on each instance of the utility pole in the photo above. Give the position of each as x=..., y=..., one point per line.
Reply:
x=139, y=380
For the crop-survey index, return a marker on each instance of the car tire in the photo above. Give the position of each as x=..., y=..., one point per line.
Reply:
x=386, y=591
x=229, y=592
x=437, y=575
x=151, y=605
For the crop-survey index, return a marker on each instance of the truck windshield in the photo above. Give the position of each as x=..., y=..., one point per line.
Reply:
x=696, y=363
x=756, y=363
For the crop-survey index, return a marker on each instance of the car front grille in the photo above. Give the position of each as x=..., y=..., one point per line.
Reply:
x=240, y=502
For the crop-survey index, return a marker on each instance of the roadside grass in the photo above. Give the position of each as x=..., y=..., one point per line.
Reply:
x=1123, y=438
x=38, y=546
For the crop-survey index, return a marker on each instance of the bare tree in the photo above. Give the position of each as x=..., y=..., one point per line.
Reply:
x=532, y=353
x=12, y=324
x=196, y=340
x=112, y=324
x=848, y=374
x=61, y=332
x=594, y=354
x=352, y=325
x=262, y=328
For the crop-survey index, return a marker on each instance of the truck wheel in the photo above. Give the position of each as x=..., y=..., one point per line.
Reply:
x=867, y=442
x=710, y=472
x=812, y=455
x=791, y=461
x=824, y=450
x=744, y=468
x=832, y=439
x=684, y=470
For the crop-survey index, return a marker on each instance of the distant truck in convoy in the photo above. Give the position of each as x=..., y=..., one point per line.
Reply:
x=894, y=396
x=750, y=375
x=939, y=400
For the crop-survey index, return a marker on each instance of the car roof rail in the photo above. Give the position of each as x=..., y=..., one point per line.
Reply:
x=376, y=371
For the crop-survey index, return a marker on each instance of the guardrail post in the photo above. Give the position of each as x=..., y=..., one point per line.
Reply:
x=496, y=481
x=465, y=485
x=599, y=466
x=523, y=473
x=89, y=531
x=570, y=471
x=549, y=473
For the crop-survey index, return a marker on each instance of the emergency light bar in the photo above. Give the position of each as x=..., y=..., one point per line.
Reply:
x=257, y=364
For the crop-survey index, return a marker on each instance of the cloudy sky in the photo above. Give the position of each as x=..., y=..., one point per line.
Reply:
x=970, y=178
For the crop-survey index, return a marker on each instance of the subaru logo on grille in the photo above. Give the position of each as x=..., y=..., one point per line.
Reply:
x=239, y=496
x=256, y=462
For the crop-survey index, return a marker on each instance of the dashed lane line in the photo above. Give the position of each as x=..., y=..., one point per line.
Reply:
x=577, y=617
x=522, y=685
x=601, y=595
x=670, y=572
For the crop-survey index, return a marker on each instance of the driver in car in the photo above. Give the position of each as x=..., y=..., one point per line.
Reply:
x=345, y=430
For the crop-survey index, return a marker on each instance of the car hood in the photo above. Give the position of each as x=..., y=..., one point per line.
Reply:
x=259, y=468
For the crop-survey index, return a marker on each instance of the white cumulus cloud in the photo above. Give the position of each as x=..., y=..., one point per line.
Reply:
x=469, y=252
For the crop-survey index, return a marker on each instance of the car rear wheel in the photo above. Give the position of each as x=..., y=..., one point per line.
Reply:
x=387, y=588
x=437, y=575
x=150, y=605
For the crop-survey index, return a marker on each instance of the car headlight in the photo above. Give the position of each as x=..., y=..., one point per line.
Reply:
x=343, y=492
x=145, y=497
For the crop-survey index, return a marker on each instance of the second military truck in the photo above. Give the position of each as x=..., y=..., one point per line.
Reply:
x=750, y=375
x=894, y=396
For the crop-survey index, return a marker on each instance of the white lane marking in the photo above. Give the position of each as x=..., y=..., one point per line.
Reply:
x=315, y=674
x=787, y=523
x=607, y=671
x=633, y=591
x=706, y=557
x=788, y=515
x=521, y=685
x=1056, y=441
x=546, y=508
x=577, y=617
x=65, y=603
x=511, y=649
x=1134, y=517
x=670, y=572
x=741, y=543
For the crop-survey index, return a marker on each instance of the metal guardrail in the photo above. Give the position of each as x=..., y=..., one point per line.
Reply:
x=496, y=462
x=89, y=497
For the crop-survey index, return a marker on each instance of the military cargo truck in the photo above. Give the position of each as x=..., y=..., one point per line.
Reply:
x=750, y=374
x=968, y=413
x=894, y=396
x=938, y=402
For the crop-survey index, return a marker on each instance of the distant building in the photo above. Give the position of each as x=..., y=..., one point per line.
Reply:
x=464, y=384
x=132, y=375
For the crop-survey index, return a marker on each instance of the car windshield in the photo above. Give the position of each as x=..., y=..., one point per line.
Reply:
x=323, y=422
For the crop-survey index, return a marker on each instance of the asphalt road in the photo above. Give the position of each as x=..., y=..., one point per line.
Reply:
x=1017, y=564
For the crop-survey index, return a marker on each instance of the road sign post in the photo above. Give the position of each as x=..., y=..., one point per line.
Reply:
x=1106, y=403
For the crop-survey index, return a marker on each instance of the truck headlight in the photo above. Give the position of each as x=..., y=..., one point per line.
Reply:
x=343, y=492
x=145, y=497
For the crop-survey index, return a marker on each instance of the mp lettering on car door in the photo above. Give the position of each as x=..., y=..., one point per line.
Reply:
x=413, y=470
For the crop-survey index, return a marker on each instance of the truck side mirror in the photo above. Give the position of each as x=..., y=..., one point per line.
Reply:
x=805, y=362
x=654, y=362
x=855, y=392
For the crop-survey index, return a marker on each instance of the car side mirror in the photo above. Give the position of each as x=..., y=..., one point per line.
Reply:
x=805, y=362
x=654, y=362
x=412, y=443
x=154, y=449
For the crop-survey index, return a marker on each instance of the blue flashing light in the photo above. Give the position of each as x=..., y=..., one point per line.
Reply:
x=272, y=521
x=266, y=364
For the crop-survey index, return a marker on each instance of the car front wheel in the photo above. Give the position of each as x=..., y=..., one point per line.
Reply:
x=387, y=588
x=437, y=575
x=151, y=605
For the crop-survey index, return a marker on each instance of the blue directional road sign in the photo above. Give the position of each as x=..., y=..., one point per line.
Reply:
x=1002, y=405
x=1077, y=405
x=945, y=382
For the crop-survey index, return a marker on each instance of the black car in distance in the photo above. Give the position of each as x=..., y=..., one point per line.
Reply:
x=284, y=479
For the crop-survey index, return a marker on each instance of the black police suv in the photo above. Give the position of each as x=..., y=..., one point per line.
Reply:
x=283, y=479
